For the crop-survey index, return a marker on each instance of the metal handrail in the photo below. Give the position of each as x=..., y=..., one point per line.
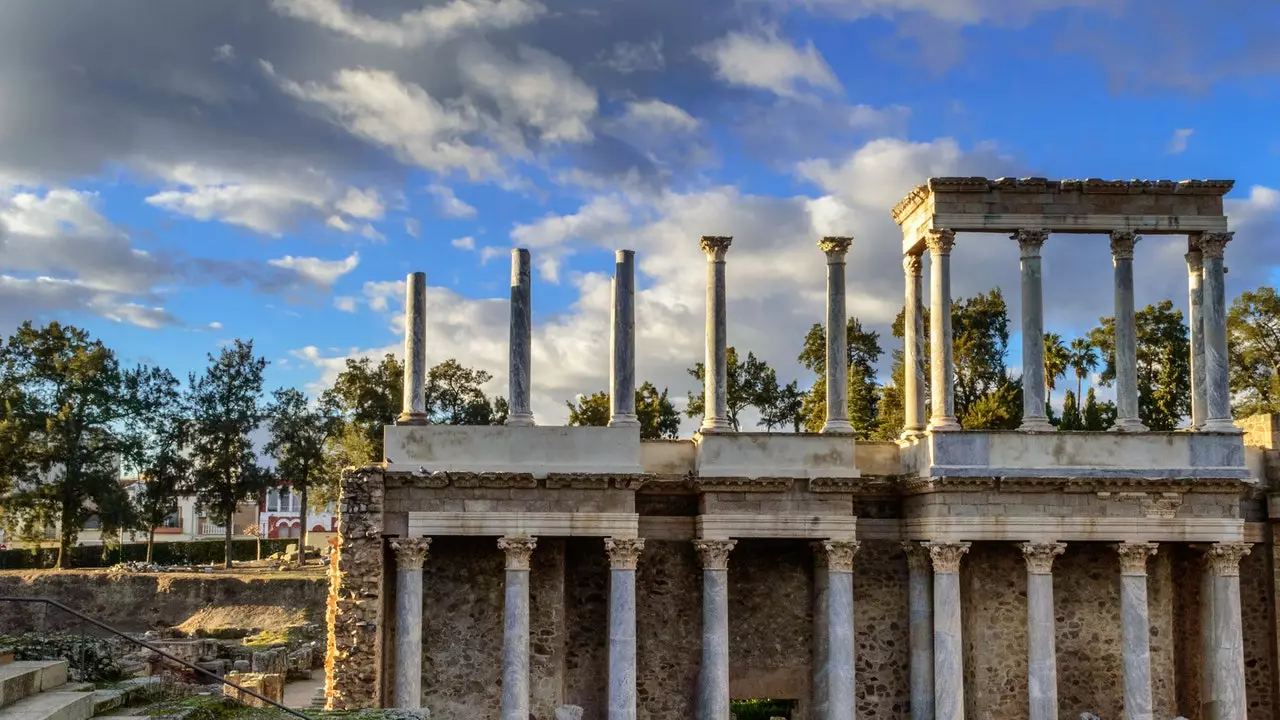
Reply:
x=199, y=671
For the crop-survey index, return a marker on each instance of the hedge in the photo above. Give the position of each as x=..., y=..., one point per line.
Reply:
x=195, y=552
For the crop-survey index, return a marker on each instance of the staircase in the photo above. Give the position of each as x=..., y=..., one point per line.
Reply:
x=38, y=690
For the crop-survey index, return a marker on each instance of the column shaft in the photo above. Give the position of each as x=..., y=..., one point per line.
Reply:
x=913, y=346
x=1127, y=420
x=940, y=242
x=622, y=351
x=1195, y=318
x=1042, y=658
x=836, y=249
x=920, y=614
x=1207, y=640
x=414, y=405
x=515, y=628
x=623, y=555
x=521, y=356
x=821, y=586
x=1033, y=374
x=715, y=385
x=1217, y=380
x=1135, y=629
x=841, y=703
x=948, y=648
x=410, y=554
x=713, y=679
x=1227, y=701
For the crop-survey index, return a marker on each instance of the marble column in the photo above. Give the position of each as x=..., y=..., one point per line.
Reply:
x=948, y=649
x=913, y=345
x=940, y=242
x=515, y=627
x=520, y=370
x=623, y=555
x=1207, y=640
x=1195, y=321
x=920, y=614
x=836, y=249
x=715, y=378
x=622, y=349
x=713, y=678
x=1034, y=391
x=1214, y=317
x=410, y=554
x=1227, y=696
x=1126, y=341
x=841, y=703
x=1135, y=629
x=1042, y=657
x=413, y=409
x=821, y=585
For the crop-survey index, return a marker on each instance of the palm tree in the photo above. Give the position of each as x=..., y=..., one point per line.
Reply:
x=1055, y=362
x=1083, y=358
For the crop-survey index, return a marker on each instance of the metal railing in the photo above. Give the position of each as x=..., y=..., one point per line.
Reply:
x=200, y=672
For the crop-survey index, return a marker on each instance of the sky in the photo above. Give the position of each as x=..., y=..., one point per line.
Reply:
x=176, y=175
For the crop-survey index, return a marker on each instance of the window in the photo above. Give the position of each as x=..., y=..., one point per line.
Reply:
x=173, y=520
x=93, y=522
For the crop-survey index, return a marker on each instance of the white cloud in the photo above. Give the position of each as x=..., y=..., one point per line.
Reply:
x=489, y=252
x=959, y=12
x=363, y=204
x=224, y=53
x=769, y=63
x=431, y=23
x=215, y=325
x=464, y=243
x=632, y=57
x=412, y=227
x=659, y=114
x=537, y=89
x=345, y=303
x=448, y=204
x=322, y=273
x=1178, y=143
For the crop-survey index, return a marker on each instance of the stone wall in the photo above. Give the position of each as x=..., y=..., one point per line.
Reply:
x=1257, y=607
x=668, y=629
x=353, y=663
x=882, y=644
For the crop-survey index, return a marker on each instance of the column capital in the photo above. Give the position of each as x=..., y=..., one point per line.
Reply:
x=624, y=553
x=940, y=240
x=411, y=552
x=1122, y=242
x=1224, y=558
x=715, y=246
x=1213, y=244
x=1040, y=556
x=519, y=549
x=714, y=554
x=913, y=265
x=1133, y=557
x=1195, y=262
x=1030, y=240
x=835, y=247
x=946, y=556
x=840, y=554
x=917, y=556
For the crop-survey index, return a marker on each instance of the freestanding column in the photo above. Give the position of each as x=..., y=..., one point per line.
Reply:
x=913, y=342
x=940, y=242
x=414, y=406
x=1217, y=382
x=515, y=628
x=622, y=351
x=836, y=249
x=1135, y=629
x=840, y=638
x=1122, y=242
x=1042, y=662
x=948, y=657
x=920, y=613
x=713, y=679
x=821, y=583
x=1227, y=699
x=716, y=372
x=521, y=339
x=1033, y=380
x=623, y=555
x=1195, y=298
x=410, y=554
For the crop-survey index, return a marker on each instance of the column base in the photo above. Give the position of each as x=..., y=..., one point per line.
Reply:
x=412, y=419
x=1129, y=425
x=1037, y=425
x=520, y=420
x=621, y=420
x=837, y=427
x=912, y=434
x=715, y=425
x=1221, y=426
x=943, y=424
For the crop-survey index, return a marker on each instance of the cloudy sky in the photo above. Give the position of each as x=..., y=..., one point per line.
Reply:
x=174, y=175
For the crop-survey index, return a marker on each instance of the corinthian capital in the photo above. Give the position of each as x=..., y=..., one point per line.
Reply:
x=840, y=554
x=835, y=247
x=917, y=556
x=1030, y=241
x=1214, y=244
x=1039, y=556
x=624, y=553
x=519, y=548
x=940, y=240
x=913, y=265
x=1122, y=242
x=411, y=552
x=947, y=556
x=715, y=246
x=714, y=553
x=1133, y=557
x=1224, y=558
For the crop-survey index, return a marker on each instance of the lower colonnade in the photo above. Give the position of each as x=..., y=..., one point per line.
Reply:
x=935, y=611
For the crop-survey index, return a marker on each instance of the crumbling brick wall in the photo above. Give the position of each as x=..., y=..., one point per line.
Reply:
x=354, y=655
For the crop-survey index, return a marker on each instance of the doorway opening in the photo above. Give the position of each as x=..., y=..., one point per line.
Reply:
x=762, y=708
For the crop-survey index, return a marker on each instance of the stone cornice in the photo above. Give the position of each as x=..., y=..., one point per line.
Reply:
x=1144, y=486
x=860, y=486
x=500, y=480
x=744, y=484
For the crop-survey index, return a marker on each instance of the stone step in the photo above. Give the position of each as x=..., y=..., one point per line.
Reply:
x=23, y=678
x=51, y=706
x=125, y=693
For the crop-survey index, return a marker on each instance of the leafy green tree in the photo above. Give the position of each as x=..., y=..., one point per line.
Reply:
x=1056, y=359
x=658, y=417
x=226, y=407
x=743, y=385
x=590, y=410
x=300, y=433
x=455, y=396
x=862, y=352
x=1000, y=409
x=369, y=395
x=1253, y=349
x=1164, y=367
x=980, y=332
x=1097, y=416
x=781, y=405
x=1082, y=358
x=1070, y=413
x=70, y=410
x=164, y=472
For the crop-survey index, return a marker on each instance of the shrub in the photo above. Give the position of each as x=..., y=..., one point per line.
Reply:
x=195, y=552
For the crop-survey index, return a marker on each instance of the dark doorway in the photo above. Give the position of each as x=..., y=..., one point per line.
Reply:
x=762, y=708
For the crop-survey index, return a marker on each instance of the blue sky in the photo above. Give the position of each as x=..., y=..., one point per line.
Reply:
x=271, y=169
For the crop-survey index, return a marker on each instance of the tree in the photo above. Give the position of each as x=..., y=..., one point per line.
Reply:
x=658, y=417
x=1056, y=359
x=70, y=409
x=1070, y=413
x=300, y=432
x=369, y=396
x=1000, y=409
x=1164, y=367
x=226, y=407
x=1097, y=417
x=455, y=397
x=162, y=475
x=1082, y=358
x=862, y=353
x=743, y=383
x=980, y=339
x=782, y=405
x=1253, y=350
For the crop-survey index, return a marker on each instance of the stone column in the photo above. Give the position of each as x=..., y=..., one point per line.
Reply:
x=1216, y=380
x=1042, y=658
x=1207, y=641
x=520, y=370
x=515, y=628
x=920, y=613
x=836, y=249
x=1126, y=342
x=913, y=344
x=1227, y=698
x=821, y=585
x=622, y=349
x=841, y=703
x=1195, y=321
x=948, y=650
x=413, y=408
x=1034, y=418
x=1135, y=629
x=410, y=554
x=623, y=555
x=713, y=678
x=940, y=242
x=715, y=378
